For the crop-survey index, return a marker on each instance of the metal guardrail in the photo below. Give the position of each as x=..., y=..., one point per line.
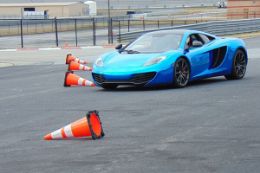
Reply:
x=219, y=28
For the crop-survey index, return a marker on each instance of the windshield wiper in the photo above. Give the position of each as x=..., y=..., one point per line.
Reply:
x=131, y=51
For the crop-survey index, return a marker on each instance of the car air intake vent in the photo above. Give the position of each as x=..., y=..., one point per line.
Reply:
x=99, y=78
x=143, y=77
x=218, y=56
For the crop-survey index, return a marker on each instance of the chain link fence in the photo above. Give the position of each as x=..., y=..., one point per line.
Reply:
x=71, y=32
x=80, y=32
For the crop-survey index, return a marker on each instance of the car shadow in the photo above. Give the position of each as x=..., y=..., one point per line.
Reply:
x=206, y=81
x=192, y=84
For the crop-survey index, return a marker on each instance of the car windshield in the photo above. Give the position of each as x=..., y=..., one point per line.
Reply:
x=155, y=43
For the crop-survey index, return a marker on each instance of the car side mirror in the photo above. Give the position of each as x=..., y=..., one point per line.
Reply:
x=118, y=47
x=196, y=43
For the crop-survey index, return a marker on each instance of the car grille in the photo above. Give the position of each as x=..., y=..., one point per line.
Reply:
x=98, y=77
x=136, y=79
x=143, y=77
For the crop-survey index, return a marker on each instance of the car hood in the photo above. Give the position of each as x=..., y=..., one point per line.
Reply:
x=117, y=60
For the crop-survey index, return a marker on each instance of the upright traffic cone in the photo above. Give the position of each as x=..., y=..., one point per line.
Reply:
x=70, y=58
x=74, y=66
x=87, y=127
x=74, y=80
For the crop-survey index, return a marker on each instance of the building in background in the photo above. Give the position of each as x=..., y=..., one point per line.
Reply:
x=243, y=9
x=92, y=7
x=45, y=10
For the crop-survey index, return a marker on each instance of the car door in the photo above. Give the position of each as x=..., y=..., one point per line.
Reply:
x=198, y=55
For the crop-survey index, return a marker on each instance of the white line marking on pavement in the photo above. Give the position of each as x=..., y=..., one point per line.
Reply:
x=91, y=47
x=53, y=48
x=8, y=50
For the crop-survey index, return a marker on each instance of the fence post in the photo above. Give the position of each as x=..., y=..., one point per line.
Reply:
x=143, y=24
x=109, y=27
x=111, y=31
x=56, y=32
x=128, y=25
x=108, y=30
x=21, y=27
x=119, y=31
x=76, y=32
x=158, y=23
x=94, y=31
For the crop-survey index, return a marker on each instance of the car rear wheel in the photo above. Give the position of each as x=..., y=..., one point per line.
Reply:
x=181, y=73
x=238, y=66
x=109, y=86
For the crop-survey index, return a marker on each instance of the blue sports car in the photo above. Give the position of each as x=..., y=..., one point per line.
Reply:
x=171, y=57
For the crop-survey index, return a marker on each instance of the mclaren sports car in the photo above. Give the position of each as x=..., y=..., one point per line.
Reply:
x=171, y=57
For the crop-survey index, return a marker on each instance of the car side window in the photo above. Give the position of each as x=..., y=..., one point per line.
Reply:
x=188, y=43
x=206, y=39
x=194, y=41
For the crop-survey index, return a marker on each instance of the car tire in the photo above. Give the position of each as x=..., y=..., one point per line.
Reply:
x=181, y=73
x=238, y=66
x=109, y=86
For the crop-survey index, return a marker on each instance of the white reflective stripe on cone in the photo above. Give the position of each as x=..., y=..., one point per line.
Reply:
x=67, y=131
x=56, y=134
x=82, y=62
x=80, y=81
x=77, y=60
x=86, y=68
x=81, y=67
x=88, y=83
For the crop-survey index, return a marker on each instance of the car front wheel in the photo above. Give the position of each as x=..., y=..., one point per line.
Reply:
x=181, y=73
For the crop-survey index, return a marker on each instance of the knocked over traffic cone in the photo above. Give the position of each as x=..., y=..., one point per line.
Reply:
x=89, y=126
x=70, y=58
x=73, y=66
x=74, y=80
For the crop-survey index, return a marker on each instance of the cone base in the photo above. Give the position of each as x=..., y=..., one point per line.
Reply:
x=67, y=58
x=65, y=79
x=95, y=125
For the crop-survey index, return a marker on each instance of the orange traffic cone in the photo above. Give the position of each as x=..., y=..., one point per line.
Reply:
x=73, y=66
x=74, y=80
x=89, y=126
x=70, y=58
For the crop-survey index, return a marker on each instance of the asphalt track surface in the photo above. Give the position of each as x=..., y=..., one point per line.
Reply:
x=210, y=126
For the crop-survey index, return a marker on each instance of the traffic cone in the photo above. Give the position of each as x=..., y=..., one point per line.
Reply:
x=87, y=127
x=75, y=80
x=74, y=66
x=70, y=58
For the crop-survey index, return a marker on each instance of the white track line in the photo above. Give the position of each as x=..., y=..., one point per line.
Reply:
x=54, y=48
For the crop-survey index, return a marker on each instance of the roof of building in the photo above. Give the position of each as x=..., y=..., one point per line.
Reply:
x=37, y=4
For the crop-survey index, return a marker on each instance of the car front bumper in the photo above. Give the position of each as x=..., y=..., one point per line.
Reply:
x=151, y=78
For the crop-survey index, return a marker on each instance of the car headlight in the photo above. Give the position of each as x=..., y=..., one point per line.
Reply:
x=99, y=62
x=155, y=60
